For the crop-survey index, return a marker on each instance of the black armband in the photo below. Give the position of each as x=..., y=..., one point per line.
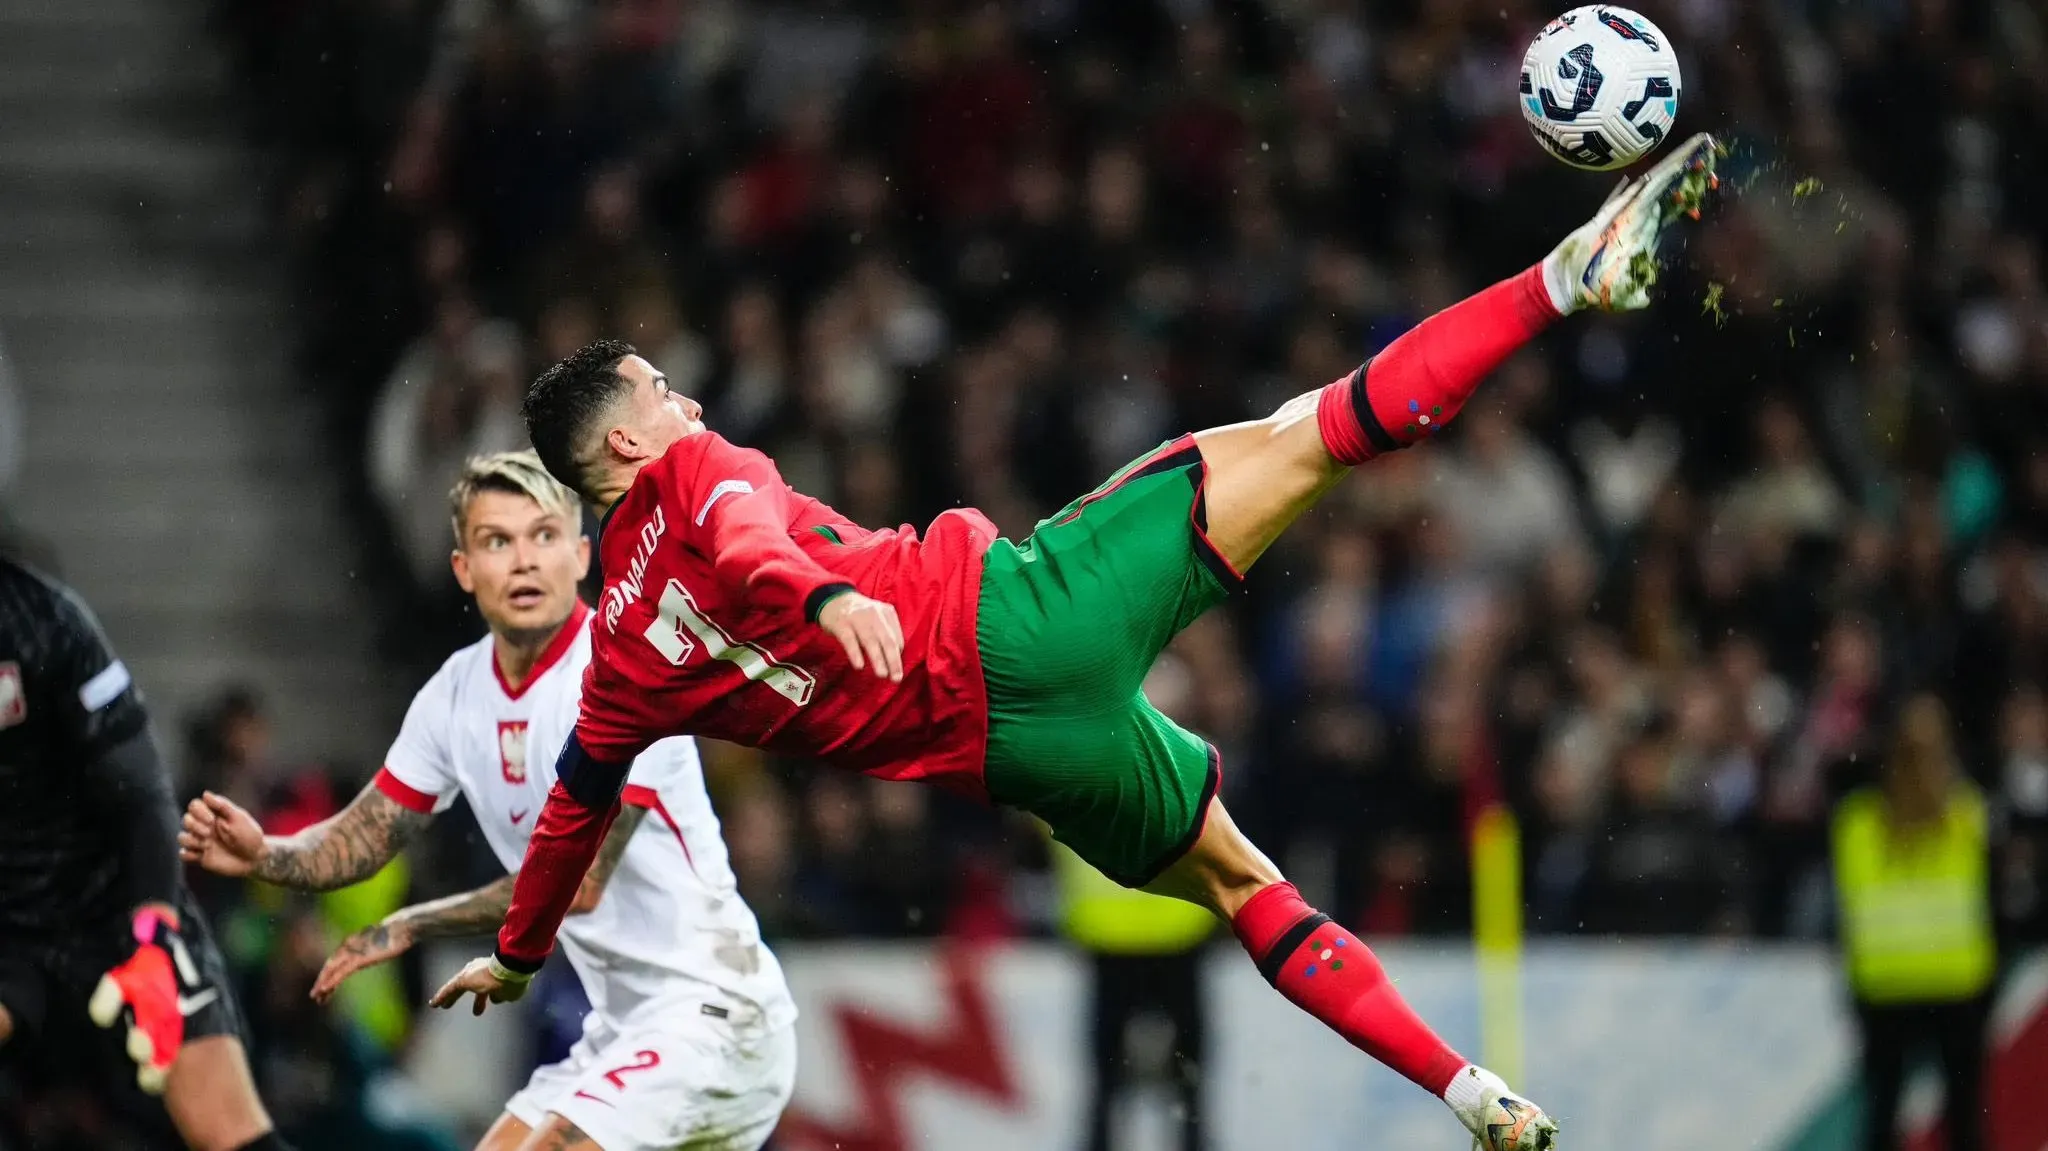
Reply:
x=590, y=781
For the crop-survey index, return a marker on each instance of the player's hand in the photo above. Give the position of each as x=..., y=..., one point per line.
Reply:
x=151, y=994
x=486, y=980
x=868, y=630
x=380, y=943
x=220, y=837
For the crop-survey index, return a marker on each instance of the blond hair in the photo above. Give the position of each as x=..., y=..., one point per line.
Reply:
x=515, y=473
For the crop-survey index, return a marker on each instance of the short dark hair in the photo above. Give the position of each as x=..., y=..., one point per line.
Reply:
x=567, y=400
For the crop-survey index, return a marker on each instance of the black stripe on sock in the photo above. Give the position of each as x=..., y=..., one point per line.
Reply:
x=1375, y=432
x=1276, y=958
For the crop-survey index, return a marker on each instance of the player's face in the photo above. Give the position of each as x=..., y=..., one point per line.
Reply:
x=521, y=562
x=655, y=417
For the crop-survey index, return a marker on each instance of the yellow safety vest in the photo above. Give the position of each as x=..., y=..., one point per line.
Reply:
x=1102, y=916
x=375, y=998
x=1916, y=906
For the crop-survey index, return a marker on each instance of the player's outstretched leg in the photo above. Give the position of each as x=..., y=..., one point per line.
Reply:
x=1264, y=474
x=1329, y=973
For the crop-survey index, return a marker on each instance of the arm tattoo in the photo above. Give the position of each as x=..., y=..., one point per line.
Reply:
x=482, y=911
x=609, y=854
x=342, y=849
x=477, y=912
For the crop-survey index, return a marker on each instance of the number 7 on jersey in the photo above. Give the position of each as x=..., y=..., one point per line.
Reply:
x=677, y=614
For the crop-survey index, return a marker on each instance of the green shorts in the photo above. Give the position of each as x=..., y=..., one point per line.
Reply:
x=1071, y=620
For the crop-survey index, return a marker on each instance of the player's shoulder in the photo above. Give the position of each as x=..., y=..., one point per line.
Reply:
x=458, y=671
x=25, y=585
x=38, y=610
x=695, y=458
x=665, y=494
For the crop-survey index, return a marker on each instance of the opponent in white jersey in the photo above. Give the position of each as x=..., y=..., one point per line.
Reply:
x=690, y=1039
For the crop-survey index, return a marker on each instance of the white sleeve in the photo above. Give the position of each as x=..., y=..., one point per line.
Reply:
x=671, y=766
x=420, y=761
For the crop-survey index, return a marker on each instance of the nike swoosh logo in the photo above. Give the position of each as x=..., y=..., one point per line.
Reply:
x=188, y=971
x=595, y=1099
x=518, y=816
x=190, y=1005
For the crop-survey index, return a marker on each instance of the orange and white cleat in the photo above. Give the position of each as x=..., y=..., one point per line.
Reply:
x=1610, y=262
x=1498, y=1119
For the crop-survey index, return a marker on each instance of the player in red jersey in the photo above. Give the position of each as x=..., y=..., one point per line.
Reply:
x=738, y=609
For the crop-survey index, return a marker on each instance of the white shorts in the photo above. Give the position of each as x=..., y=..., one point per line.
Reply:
x=668, y=1078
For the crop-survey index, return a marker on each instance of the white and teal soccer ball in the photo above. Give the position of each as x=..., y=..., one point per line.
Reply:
x=1600, y=87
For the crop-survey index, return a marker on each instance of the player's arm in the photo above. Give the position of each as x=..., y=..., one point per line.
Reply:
x=483, y=911
x=126, y=780
x=347, y=847
x=741, y=512
x=579, y=812
x=121, y=778
x=106, y=730
x=477, y=912
x=416, y=781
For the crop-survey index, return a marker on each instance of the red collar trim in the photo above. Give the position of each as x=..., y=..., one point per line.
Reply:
x=549, y=655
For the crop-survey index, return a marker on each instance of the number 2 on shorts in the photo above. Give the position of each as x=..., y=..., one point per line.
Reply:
x=642, y=1061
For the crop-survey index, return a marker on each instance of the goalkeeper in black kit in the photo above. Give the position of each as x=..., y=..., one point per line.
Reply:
x=109, y=981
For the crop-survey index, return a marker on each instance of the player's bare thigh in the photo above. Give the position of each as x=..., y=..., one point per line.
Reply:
x=1262, y=476
x=1222, y=871
x=211, y=1097
x=510, y=1133
x=558, y=1134
x=6, y=1025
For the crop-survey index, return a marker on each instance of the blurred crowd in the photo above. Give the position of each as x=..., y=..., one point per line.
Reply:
x=1659, y=589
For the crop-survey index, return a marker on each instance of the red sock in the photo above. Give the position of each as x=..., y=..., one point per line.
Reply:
x=1324, y=970
x=1421, y=380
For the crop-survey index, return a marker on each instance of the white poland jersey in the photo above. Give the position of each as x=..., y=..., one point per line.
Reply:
x=671, y=926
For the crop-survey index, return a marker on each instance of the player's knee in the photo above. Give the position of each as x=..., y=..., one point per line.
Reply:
x=6, y=1025
x=1261, y=477
x=1289, y=439
x=212, y=1098
x=1222, y=871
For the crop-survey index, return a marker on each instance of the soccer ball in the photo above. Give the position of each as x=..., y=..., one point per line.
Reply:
x=1600, y=87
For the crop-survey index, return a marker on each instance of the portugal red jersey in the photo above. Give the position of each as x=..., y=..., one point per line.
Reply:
x=713, y=572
